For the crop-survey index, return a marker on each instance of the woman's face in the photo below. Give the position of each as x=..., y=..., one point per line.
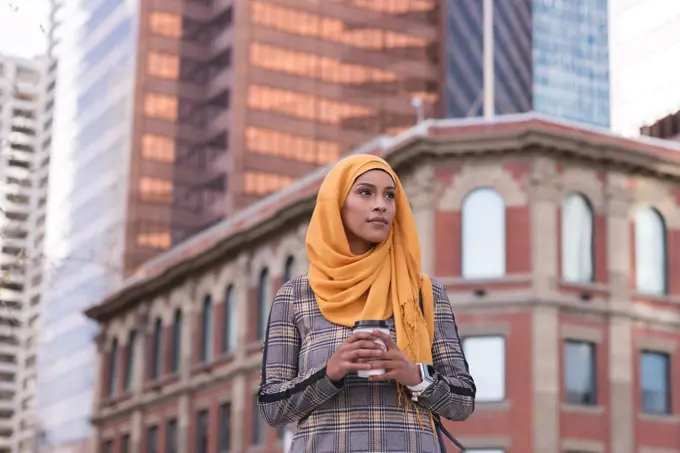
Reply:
x=369, y=210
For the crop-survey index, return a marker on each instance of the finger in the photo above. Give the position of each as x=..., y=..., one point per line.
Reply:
x=358, y=336
x=363, y=344
x=362, y=353
x=386, y=338
x=383, y=377
x=353, y=366
x=386, y=364
x=393, y=354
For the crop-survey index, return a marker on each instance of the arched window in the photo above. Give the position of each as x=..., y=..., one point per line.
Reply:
x=288, y=268
x=577, y=239
x=206, y=329
x=230, y=320
x=262, y=303
x=483, y=234
x=113, y=368
x=176, y=346
x=130, y=360
x=651, y=273
x=157, y=350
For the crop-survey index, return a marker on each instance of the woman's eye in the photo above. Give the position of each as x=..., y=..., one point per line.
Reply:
x=364, y=192
x=390, y=195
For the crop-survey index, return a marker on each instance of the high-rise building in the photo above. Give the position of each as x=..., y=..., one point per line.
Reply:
x=170, y=116
x=548, y=56
x=23, y=181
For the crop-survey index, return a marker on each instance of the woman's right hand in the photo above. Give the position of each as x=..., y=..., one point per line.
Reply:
x=355, y=353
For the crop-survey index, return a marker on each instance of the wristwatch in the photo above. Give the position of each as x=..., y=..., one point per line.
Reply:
x=426, y=381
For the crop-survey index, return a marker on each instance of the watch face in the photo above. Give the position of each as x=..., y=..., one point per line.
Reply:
x=425, y=369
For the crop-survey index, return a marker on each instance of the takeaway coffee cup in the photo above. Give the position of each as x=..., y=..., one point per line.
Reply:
x=370, y=326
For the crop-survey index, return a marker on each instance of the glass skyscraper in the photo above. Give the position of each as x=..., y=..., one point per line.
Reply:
x=94, y=43
x=549, y=56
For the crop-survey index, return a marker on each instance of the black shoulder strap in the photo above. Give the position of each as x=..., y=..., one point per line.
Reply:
x=438, y=422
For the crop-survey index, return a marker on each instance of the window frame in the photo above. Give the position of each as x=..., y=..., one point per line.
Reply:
x=668, y=397
x=176, y=341
x=206, y=334
x=263, y=296
x=129, y=381
x=592, y=358
x=567, y=242
x=504, y=380
x=468, y=236
x=157, y=349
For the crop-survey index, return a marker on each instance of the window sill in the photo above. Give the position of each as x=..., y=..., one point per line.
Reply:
x=255, y=346
x=669, y=419
x=202, y=367
x=588, y=286
x=492, y=406
x=653, y=297
x=117, y=399
x=156, y=384
x=582, y=409
x=225, y=357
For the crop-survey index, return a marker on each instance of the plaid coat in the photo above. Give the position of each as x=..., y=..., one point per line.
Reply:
x=356, y=416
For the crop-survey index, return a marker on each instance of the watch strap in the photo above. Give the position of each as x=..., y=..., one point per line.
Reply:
x=426, y=380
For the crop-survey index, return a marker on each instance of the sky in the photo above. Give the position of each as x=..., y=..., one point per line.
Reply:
x=645, y=62
x=20, y=27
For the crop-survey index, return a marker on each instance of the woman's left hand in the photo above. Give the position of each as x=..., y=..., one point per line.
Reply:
x=395, y=363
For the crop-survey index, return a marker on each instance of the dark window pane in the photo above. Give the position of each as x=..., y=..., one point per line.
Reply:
x=262, y=304
x=206, y=330
x=152, y=440
x=225, y=432
x=125, y=444
x=171, y=436
x=113, y=368
x=229, y=320
x=655, y=382
x=288, y=269
x=157, y=355
x=579, y=372
x=176, y=341
x=259, y=428
x=130, y=360
x=202, y=432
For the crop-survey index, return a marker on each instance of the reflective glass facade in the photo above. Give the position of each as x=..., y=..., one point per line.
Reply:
x=96, y=49
x=550, y=56
x=571, y=60
x=324, y=77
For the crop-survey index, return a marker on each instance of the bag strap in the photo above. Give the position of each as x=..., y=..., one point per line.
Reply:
x=439, y=426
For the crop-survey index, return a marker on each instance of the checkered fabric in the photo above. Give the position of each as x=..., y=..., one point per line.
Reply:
x=356, y=416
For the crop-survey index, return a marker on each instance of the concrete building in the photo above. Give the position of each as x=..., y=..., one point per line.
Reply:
x=23, y=175
x=556, y=244
x=28, y=431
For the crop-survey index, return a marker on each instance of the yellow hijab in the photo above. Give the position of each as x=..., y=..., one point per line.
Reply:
x=386, y=281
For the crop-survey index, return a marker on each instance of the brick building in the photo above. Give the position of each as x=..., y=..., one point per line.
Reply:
x=557, y=245
x=667, y=127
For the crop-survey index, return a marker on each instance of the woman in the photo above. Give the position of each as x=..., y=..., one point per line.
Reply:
x=364, y=259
